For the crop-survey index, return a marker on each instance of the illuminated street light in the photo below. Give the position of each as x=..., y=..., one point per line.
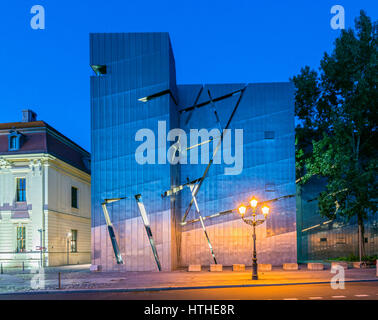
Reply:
x=253, y=203
x=253, y=222
x=265, y=211
x=242, y=209
x=69, y=235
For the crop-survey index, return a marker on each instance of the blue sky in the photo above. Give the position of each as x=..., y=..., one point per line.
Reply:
x=213, y=42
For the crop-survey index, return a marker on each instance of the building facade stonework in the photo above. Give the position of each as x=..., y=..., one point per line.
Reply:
x=39, y=224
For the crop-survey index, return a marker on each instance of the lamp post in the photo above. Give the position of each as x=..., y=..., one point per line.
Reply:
x=253, y=222
x=69, y=234
x=41, y=247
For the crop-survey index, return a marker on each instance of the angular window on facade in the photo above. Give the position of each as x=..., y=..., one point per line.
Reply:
x=99, y=69
x=268, y=135
x=270, y=187
x=21, y=239
x=74, y=198
x=21, y=190
x=73, y=240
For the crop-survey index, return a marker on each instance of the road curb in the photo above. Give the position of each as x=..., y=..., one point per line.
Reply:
x=153, y=289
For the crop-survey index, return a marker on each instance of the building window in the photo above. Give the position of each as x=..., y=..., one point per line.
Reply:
x=21, y=190
x=74, y=198
x=269, y=135
x=21, y=239
x=14, y=141
x=73, y=240
x=270, y=187
x=340, y=241
x=99, y=69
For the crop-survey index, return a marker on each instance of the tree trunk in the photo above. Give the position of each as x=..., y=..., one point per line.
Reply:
x=361, y=238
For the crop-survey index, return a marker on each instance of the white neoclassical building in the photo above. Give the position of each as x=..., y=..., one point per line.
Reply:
x=45, y=183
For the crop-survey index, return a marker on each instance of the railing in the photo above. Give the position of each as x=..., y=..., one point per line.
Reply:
x=32, y=259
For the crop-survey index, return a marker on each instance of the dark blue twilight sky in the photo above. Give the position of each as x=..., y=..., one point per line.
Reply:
x=213, y=41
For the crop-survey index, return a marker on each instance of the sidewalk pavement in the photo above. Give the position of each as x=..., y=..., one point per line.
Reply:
x=80, y=278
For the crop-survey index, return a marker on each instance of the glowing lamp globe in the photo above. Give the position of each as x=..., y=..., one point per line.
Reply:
x=253, y=203
x=265, y=210
x=242, y=210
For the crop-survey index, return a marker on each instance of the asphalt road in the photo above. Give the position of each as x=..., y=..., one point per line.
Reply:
x=352, y=291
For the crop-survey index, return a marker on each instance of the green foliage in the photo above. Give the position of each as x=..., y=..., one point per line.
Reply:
x=337, y=134
x=351, y=257
x=354, y=258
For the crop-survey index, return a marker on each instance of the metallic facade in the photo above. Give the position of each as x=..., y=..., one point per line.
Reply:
x=131, y=66
x=320, y=238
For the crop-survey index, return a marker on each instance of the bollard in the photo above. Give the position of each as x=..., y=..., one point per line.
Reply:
x=315, y=266
x=339, y=263
x=290, y=266
x=59, y=283
x=194, y=267
x=2, y=268
x=263, y=267
x=238, y=267
x=23, y=266
x=216, y=267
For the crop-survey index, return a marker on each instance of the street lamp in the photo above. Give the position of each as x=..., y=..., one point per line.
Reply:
x=69, y=235
x=253, y=222
x=41, y=247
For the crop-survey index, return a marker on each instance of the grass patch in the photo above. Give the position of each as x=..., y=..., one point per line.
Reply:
x=354, y=258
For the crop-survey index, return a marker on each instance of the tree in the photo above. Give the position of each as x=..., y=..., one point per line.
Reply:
x=336, y=137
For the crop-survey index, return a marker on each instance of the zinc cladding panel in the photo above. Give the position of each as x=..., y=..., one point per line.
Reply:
x=138, y=65
x=264, y=107
x=117, y=114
